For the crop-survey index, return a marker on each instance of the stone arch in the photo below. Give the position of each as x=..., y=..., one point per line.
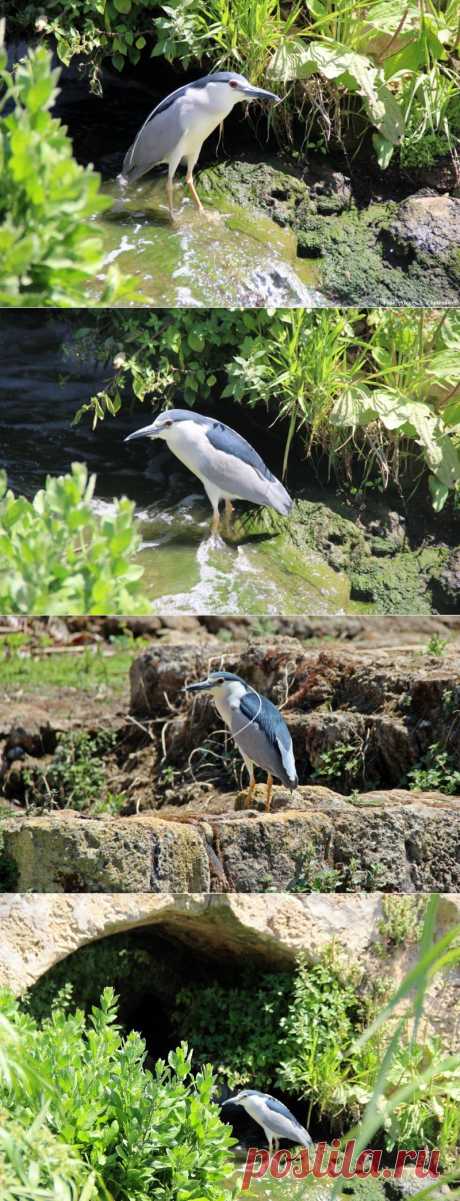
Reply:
x=38, y=931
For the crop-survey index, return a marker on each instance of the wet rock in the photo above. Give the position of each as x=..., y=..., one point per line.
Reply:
x=332, y=193
x=263, y=186
x=446, y=586
x=429, y=223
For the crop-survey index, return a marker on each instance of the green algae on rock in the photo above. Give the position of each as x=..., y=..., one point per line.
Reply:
x=385, y=573
x=377, y=255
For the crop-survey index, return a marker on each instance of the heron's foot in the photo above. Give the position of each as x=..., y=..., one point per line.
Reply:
x=211, y=215
x=215, y=524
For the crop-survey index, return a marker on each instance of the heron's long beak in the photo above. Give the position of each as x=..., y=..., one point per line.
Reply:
x=251, y=93
x=201, y=687
x=148, y=431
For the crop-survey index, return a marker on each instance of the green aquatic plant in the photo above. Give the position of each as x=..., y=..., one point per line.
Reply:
x=58, y=556
x=133, y=1134
x=49, y=253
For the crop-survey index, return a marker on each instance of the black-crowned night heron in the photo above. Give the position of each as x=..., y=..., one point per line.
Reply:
x=274, y=1117
x=178, y=126
x=228, y=467
x=257, y=727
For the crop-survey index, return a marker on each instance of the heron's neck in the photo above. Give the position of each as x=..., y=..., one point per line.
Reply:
x=186, y=439
x=228, y=698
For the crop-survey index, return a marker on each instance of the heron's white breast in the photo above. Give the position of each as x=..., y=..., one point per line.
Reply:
x=255, y=1108
x=202, y=110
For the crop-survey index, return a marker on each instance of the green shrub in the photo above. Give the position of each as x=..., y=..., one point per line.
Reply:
x=57, y=556
x=317, y=1033
x=290, y=1030
x=48, y=250
x=436, y=772
x=245, y=1046
x=143, y=1135
x=94, y=29
x=76, y=776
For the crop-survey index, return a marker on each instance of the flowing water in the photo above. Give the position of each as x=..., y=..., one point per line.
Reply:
x=225, y=259
x=186, y=568
x=287, y=1189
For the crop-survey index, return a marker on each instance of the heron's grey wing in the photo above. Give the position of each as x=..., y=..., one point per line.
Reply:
x=284, y=741
x=237, y=469
x=223, y=438
x=258, y=728
x=155, y=142
x=284, y=1124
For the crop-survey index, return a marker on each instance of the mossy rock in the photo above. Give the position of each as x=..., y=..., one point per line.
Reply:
x=361, y=260
x=373, y=572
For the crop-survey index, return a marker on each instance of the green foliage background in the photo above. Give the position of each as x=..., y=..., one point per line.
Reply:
x=346, y=69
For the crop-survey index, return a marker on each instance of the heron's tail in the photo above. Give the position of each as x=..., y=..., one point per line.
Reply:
x=131, y=170
x=278, y=498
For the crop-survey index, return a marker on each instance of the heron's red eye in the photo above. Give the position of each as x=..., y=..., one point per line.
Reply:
x=233, y=83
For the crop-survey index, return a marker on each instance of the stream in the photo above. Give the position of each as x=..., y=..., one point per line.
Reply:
x=288, y=1189
x=236, y=260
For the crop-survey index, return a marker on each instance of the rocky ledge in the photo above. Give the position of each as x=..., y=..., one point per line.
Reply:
x=393, y=841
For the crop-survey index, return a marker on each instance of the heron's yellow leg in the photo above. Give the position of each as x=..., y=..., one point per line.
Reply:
x=170, y=191
x=195, y=196
x=268, y=798
x=215, y=522
x=250, y=792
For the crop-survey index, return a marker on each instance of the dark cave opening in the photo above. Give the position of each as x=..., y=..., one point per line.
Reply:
x=147, y=967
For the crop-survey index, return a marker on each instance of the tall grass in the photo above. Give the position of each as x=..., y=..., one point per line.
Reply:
x=404, y=1012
